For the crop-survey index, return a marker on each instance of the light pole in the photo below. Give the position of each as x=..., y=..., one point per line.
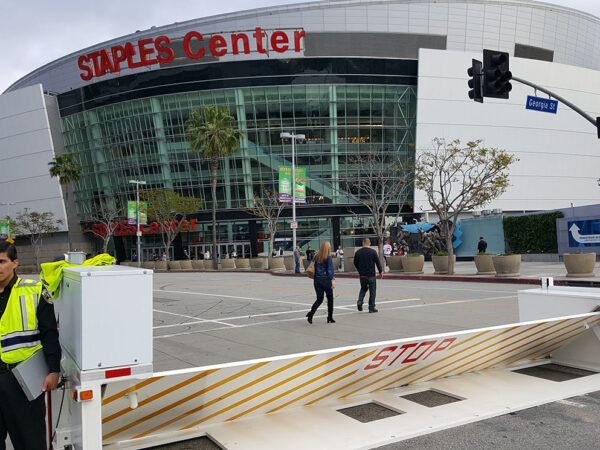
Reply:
x=137, y=224
x=293, y=137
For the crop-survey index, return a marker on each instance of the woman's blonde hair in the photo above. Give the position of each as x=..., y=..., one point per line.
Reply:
x=324, y=252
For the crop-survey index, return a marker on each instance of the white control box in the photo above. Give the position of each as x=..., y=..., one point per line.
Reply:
x=105, y=316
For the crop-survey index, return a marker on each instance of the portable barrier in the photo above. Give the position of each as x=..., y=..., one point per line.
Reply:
x=293, y=401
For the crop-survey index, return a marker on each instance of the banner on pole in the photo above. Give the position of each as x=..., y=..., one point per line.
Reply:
x=4, y=229
x=132, y=212
x=285, y=184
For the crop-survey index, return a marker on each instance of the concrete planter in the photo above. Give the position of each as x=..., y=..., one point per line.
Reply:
x=148, y=264
x=258, y=263
x=174, y=265
x=288, y=262
x=440, y=264
x=305, y=263
x=507, y=265
x=160, y=265
x=348, y=263
x=276, y=263
x=413, y=264
x=228, y=263
x=208, y=264
x=197, y=264
x=580, y=265
x=484, y=264
x=336, y=263
x=394, y=262
x=242, y=263
x=186, y=264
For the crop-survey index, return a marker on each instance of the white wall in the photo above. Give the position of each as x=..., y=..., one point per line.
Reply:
x=559, y=154
x=25, y=151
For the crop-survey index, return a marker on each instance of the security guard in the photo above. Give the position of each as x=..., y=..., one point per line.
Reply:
x=27, y=324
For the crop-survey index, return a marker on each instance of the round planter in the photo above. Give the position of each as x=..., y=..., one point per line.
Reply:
x=413, y=264
x=186, y=264
x=276, y=263
x=174, y=265
x=160, y=265
x=197, y=264
x=507, y=265
x=257, y=263
x=288, y=262
x=394, y=262
x=484, y=264
x=242, y=263
x=440, y=264
x=580, y=265
x=305, y=263
x=228, y=263
x=148, y=264
x=349, y=263
x=336, y=263
x=208, y=264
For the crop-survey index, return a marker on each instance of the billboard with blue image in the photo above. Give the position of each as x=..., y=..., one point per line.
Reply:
x=584, y=233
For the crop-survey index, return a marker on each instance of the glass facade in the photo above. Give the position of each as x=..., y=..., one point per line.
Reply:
x=145, y=139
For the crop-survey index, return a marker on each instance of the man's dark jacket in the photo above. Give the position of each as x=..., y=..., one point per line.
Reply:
x=365, y=260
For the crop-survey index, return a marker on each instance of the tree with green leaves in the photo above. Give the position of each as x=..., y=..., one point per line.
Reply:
x=169, y=209
x=457, y=178
x=67, y=170
x=35, y=226
x=213, y=133
x=267, y=206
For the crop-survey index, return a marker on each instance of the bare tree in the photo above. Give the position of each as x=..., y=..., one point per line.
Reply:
x=267, y=206
x=35, y=226
x=107, y=217
x=170, y=209
x=381, y=180
x=458, y=178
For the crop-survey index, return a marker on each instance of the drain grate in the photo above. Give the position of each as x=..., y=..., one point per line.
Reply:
x=555, y=372
x=201, y=443
x=369, y=412
x=431, y=398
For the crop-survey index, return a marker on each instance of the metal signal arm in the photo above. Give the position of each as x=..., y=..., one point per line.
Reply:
x=593, y=121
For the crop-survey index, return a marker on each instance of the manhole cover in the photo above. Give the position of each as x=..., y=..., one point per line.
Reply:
x=369, y=412
x=431, y=398
x=555, y=372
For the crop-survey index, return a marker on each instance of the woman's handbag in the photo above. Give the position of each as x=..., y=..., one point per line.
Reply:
x=310, y=270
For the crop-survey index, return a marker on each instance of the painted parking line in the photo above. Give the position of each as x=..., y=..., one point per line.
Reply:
x=230, y=296
x=192, y=317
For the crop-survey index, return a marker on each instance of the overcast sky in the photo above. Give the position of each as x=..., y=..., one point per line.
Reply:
x=35, y=32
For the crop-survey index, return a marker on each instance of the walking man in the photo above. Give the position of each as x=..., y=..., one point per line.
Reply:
x=297, y=260
x=365, y=261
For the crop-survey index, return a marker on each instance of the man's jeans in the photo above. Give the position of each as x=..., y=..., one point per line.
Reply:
x=297, y=266
x=370, y=284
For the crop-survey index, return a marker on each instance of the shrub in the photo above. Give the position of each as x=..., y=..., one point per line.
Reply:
x=412, y=255
x=441, y=254
x=535, y=233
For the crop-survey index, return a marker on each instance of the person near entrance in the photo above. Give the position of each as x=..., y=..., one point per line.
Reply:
x=481, y=245
x=310, y=254
x=324, y=282
x=365, y=261
x=340, y=254
x=297, y=259
x=22, y=335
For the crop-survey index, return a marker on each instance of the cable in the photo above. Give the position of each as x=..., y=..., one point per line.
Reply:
x=62, y=386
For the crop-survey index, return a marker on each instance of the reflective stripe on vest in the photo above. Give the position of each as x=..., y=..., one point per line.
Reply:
x=19, y=334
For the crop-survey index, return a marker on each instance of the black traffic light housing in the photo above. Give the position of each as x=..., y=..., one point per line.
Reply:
x=496, y=74
x=475, y=73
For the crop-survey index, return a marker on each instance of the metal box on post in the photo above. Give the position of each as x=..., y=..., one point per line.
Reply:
x=105, y=316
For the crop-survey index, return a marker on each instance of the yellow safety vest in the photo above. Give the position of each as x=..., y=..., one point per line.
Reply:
x=19, y=334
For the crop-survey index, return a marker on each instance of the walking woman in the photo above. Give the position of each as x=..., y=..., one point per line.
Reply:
x=324, y=282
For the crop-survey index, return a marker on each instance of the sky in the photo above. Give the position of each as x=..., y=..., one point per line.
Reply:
x=36, y=32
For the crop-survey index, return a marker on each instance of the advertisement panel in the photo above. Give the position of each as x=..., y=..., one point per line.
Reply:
x=132, y=212
x=285, y=184
x=4, y=229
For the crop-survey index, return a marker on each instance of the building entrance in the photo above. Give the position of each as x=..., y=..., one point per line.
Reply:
x=242, y=249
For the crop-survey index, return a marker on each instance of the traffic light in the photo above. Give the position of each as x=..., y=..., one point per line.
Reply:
x=496, y=74
x=475, y=86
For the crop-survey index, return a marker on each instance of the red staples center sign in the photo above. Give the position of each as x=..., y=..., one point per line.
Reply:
x=160, y=50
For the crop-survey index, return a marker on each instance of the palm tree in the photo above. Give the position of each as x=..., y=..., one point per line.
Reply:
x=67, y=170
x=214, y=135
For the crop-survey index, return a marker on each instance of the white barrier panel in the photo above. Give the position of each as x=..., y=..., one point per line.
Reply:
x=173, y=402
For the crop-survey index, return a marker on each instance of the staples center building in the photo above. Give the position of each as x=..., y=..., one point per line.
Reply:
x=353, y=76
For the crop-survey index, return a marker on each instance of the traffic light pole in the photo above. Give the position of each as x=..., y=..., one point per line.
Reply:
x=595, y=122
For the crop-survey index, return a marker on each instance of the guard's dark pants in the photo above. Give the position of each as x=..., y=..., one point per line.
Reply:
x=370, y=284
x=323, y=287
x=24, y=421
